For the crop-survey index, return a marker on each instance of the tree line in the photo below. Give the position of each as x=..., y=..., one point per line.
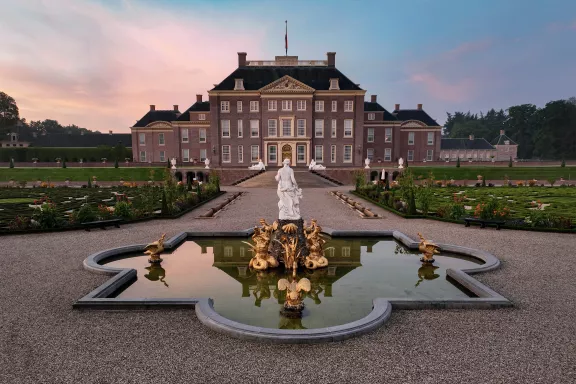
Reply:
x=547, y=133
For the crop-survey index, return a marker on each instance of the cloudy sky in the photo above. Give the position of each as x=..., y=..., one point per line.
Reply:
x=100, y=63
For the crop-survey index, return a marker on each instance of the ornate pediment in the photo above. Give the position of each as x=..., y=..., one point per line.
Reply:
x=413, y=123
x=159, y=124
x=287, y=84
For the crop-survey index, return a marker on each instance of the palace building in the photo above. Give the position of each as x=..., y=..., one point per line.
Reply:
x=286, y=108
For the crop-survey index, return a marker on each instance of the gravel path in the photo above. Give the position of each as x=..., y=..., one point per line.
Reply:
x=42, y=340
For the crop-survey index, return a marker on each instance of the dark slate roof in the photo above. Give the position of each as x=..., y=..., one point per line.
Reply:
x=257, y=77
x=203, y=106
x=375, y=107
x=24, y=133
x=89, y=140
x=500, y=140
x=158, y=115
x=415, y=114
x=481, y=143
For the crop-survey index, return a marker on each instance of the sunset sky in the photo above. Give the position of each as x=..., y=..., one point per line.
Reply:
x=99, y=64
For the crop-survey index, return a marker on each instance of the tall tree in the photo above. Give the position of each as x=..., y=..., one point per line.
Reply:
x=9, y=113
x=521, y=126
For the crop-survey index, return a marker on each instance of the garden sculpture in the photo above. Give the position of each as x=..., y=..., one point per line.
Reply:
x=154, y=249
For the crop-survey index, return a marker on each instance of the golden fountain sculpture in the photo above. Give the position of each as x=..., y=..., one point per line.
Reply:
x=262, y=236
x=154, y=249
x=428, y=248
x=291, y=257
x=315, y=244
x=295, y=291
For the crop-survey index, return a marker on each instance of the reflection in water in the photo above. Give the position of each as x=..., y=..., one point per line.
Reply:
x=291, y=323
x=426, y=272
x=156, y=273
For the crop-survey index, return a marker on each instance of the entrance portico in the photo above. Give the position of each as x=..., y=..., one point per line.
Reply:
x=275, y=151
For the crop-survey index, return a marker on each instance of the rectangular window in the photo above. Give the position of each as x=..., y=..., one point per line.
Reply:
x=142, y=138
x=240, y=128
x=348, y=127
x=286, y=105
x=225, y=153
x=272, y=154
x=429, y=155
x=254, y=106
x=334, y=106
x=162, y=156
x=202, y=135
x=161, y=139
x=301, y=127
x=272, y=128
x=203, y=154
x=239, y=106
x=254, y=153
x=184, y=135
x=430, y=138
x=370, y=153
x=371, y=116
x=370, y=136
x=225, y=128
x=388, y=135
x=142, y=156
x=239, y=84
x=254, y=128
x=319, y=106
x=387, y=154
x=301, y=153
x=240, y=154
x=347, y=153
x=286, y=128
x=410, y=155
x=225, y=106
x=334, y=84
x=349, y=106
x=334, y=126
x=319, y=128
x=301, y=105
x=201, y=116
x=272, y=105
x=410, y=138
x=185, y=155
x=333, y=154
x=319, y=153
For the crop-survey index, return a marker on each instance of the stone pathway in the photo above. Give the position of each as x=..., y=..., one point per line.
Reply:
x=305, y=179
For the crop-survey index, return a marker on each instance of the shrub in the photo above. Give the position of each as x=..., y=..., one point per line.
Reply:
x=563, y=165
x=64, y=164
x=551, y=180
x=359, y=178
x=424, y=197
x=510, y=162
x=115, y=163
x=105, y=212
x=19, y=222
x=123, y=209
x=47, y=216
x=85, y=214
x=458, y=163
x=531, y=183
x=439, y=183
x=11, y=162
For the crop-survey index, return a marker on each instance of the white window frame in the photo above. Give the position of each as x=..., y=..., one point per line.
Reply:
x=142, y=138
x=240, y=153
x=303, y=159
x=161, y=139
x=301, y=105
x=371, y=116
x=273, y=155
x=240, y=128
x=428, y=136
x=252, y=158
x=370, y=153
x=351, y=122
x=185, y=136
x=349, y=106
x=202, y=135
x=142, y=158
x=387, y=135
x=224, y=107
x=370, y=135
x=286, y=105
x=303, y=121
x=319, y=106
x=257, y=123
x=332, y=153
x=203, y=154
x=333, y=128
x=334, y=106
x=410, y=155
x=162, y=156
x=319, y=125
x=273, y=124
x=201, y=116
x=334, y=84
x=239, y=106
x=283, y=121
x=272, y=105
x=316, y=147
x=344, y=154
x=430, y=155
x=387, y=154
x=225, y=124
x=238, y=84
x=226, y=151
x=185, y=155
x=411, y=137
x=254, y=106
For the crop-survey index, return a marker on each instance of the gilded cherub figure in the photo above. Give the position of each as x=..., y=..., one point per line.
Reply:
x=262, y=259
x=315, y=244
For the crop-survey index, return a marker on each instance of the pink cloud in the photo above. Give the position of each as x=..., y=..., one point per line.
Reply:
x=82, y=63
x=443, y=90
x=560, y=26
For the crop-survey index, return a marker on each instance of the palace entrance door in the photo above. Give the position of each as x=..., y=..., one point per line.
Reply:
x=287, y=154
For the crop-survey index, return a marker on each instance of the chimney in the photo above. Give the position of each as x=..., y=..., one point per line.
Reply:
x=175, y=107
x=152, y=107
x=110, y=132
x=501, y=132
x=241, y=59
x=396, y=107
x=419, y=107
x=331, y=59
x=373, y=98
x=198, y=98
x=471, y=137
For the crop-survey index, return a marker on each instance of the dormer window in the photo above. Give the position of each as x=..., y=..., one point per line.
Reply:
x=239, y=85
x=334, y=84
x=506, y=142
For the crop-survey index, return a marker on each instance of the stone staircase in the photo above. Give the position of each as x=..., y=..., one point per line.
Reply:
x=304, y=178
x=236, y=176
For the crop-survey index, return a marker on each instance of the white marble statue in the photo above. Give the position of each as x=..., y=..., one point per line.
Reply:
x=367, y=162
x=207, y=162
x=173, y=162
x=383, y=176
x=258, y=167
x=400, y=163
x=288, y=193
x=315, y=167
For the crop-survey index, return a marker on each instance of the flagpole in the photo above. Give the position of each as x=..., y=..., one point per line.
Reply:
x=286, y=38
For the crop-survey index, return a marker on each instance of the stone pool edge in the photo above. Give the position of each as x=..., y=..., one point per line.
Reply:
x=100, y=298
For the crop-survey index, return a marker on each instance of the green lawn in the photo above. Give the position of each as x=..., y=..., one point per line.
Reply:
x=496, y=173
x=79, y=174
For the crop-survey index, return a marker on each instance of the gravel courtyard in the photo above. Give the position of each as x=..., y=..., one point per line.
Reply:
x=42, y=340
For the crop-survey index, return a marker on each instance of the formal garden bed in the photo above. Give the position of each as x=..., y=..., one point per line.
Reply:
x=58, y=208
x=520, y=206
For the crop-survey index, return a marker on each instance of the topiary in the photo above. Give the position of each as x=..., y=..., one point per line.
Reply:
x=458, y=163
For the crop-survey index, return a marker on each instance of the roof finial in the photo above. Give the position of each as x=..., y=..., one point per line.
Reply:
x=286, y=38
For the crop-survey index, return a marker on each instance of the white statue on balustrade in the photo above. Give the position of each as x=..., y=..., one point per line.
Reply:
x=315, y=167
x=400, y=163
x=367, y=162
x=258, y=167
x=173, y=162
x=207, y=162
x=288, y=193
